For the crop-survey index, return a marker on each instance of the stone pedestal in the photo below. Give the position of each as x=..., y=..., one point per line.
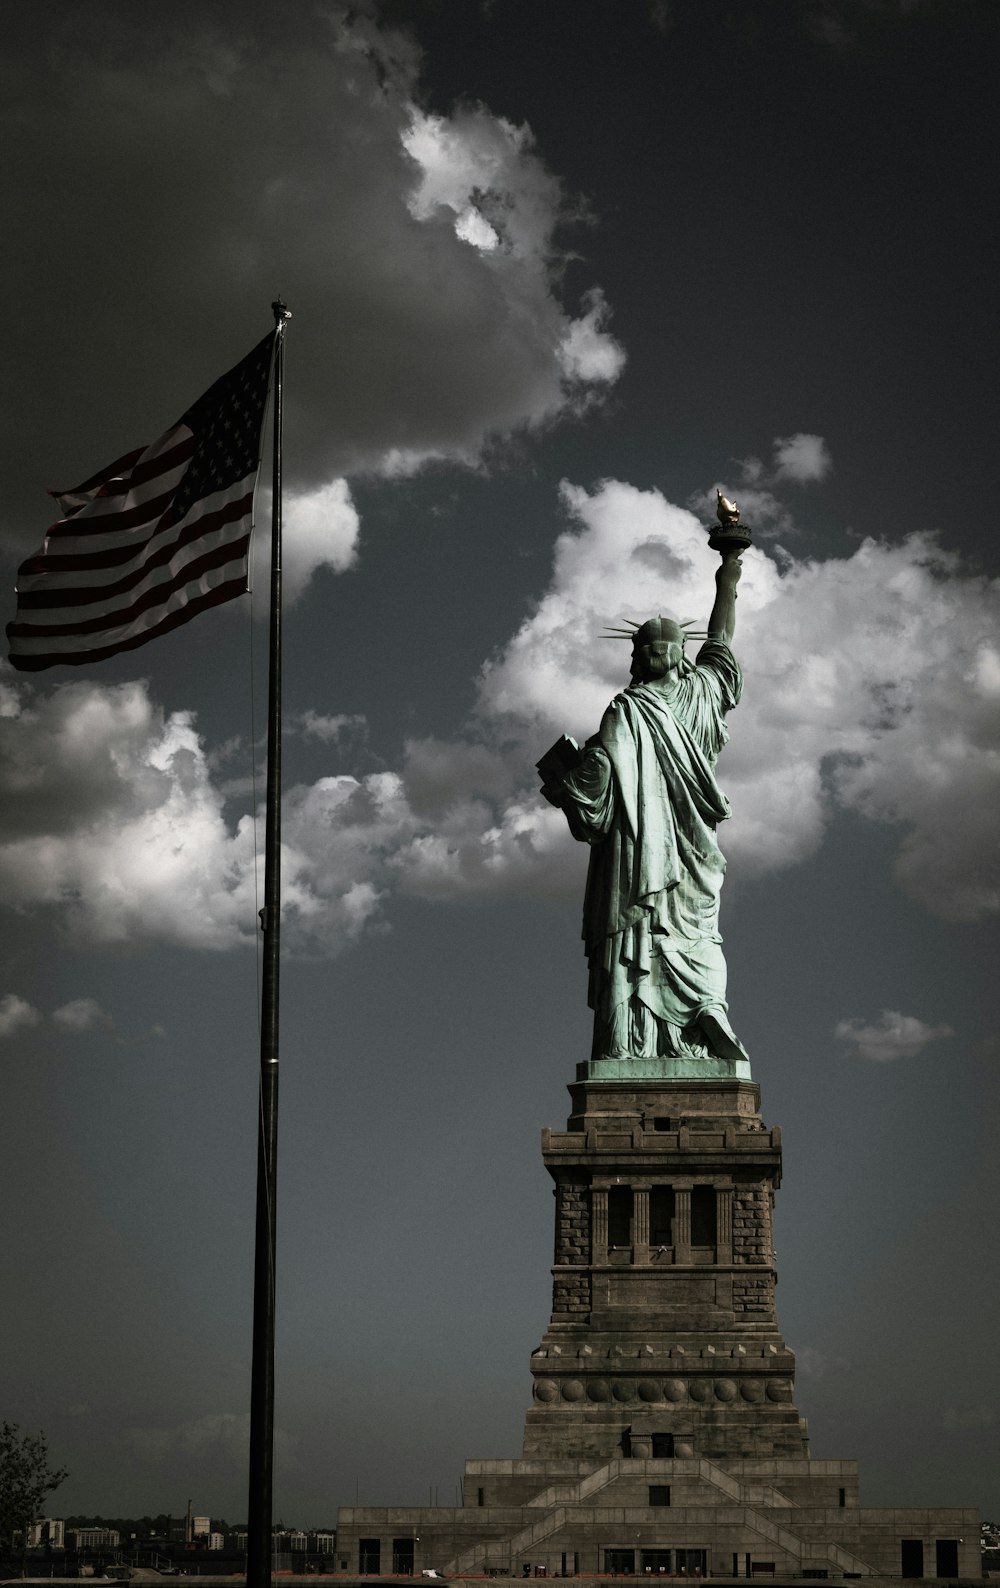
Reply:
x=663, y=1436
x=663, y=1338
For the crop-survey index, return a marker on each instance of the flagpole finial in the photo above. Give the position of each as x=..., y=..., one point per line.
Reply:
x=281, y=311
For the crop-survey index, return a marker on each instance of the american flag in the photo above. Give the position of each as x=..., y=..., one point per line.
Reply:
x=151, y=540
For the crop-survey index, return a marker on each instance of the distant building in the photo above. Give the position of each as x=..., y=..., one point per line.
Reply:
x=216, y=1541
x=48, y=1531
x=93, y=1538
x=201, y=1526
x=291, y=1541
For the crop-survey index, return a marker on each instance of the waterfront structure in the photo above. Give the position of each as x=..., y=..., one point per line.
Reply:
x=93, y=1538
x=49, y=1531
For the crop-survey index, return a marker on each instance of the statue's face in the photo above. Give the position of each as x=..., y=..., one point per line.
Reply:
x=654, y=661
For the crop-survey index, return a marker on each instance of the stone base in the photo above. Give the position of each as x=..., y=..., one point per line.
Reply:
x=719, y=1408
x=681, y=1517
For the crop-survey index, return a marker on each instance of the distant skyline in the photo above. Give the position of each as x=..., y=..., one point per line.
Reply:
x=557, y=273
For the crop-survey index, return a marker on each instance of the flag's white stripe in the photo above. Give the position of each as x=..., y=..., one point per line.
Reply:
x=151, y=498
x=54, y=580
x=119, y=634
x=102, y=506
x=110, y=531
x=205, y=541
x=88, y=488
x=164, y=575
x=119, y=622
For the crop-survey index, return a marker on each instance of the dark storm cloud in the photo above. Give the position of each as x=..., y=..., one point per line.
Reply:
x=847, y=24
x=161, y=190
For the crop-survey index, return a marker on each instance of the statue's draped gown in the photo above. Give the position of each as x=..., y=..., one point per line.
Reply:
x=645, y=797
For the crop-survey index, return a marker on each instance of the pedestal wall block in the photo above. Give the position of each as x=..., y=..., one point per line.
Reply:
x=663, y=1283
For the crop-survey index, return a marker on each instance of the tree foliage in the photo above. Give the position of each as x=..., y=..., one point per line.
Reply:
x=25, y=1479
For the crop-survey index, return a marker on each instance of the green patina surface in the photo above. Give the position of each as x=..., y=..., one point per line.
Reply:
x=685, y=1067
x=643, y=795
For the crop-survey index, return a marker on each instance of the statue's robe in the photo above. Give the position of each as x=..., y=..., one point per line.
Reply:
x=645, y=797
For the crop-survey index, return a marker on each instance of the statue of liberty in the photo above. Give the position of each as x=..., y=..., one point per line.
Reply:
x=643, y=794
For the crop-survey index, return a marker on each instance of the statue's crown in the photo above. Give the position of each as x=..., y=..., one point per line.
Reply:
x=658, y=630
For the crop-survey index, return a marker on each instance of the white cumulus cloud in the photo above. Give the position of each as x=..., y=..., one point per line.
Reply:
x=16, y=1014
x=803, y=458
x=328, y=727
x=82, y=1014
x=154, y=857
x=872, y=686
x=117, y=851
x=483, y=176
x=891, y=1036
x=587, y=352
x=320, y=529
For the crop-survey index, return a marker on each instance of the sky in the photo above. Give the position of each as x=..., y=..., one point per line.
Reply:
x=557, y=272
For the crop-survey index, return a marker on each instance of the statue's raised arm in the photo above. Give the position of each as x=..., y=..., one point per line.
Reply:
x=643, y=794
x=730, y=539
x=722, y=623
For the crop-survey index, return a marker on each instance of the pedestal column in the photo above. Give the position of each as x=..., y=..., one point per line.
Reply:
x=599, y=1223
x=640, y=1223
x=682, y=1222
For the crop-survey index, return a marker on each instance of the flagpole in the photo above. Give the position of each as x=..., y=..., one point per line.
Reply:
x=259, y=1504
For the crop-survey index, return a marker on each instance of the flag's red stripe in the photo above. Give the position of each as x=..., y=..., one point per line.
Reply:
x=57, y=595
x=231, y=551
x=121, y=484
x=213, y=598
x=132, y=468
x=100, y=512
x=163, y=462
x=114, y=523
x=109, y=576
x=50, y=563
x=84, y=594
